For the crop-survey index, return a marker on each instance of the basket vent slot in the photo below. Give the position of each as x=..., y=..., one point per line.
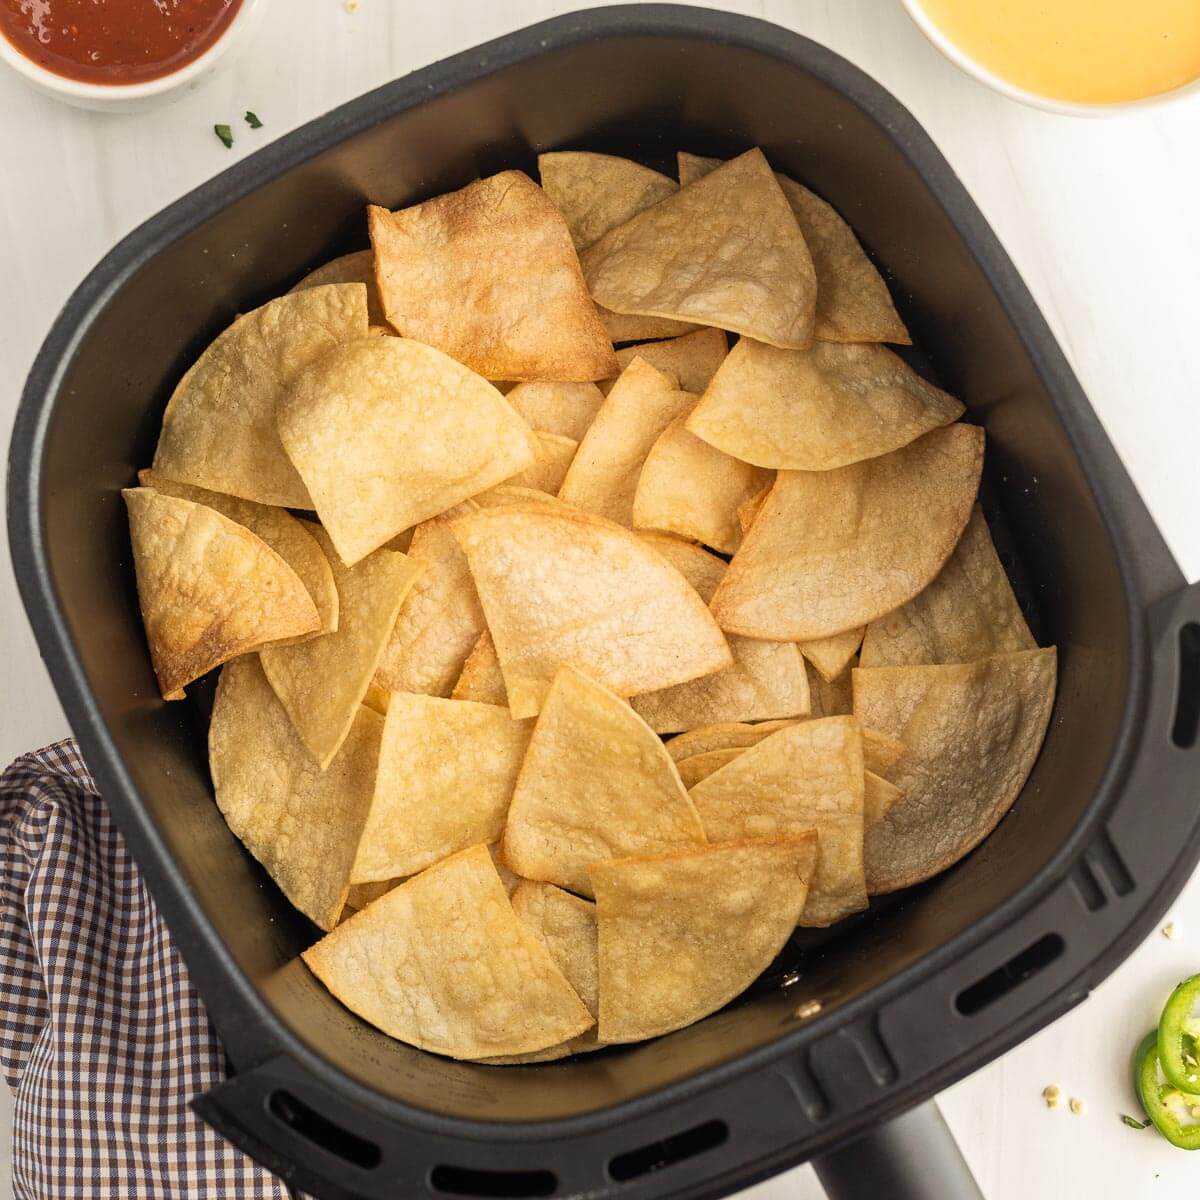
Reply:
x=1187, y=707
x=633, y=1164
x=468, y=1181
x=313, y=1127
x=998, y=983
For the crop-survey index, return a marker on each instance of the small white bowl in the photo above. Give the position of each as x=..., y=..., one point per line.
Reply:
x=965, y=62
x=127, y=97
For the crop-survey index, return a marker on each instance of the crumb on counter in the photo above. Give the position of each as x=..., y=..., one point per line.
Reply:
x=1171, y=930
x=1050, y=1095
x=1076, y=1106
x=352, y=6
x=809, y=1008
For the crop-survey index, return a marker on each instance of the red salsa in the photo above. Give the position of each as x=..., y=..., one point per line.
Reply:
x=114, y=41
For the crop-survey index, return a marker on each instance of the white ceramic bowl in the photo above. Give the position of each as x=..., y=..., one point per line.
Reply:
x=126, y=97
x=965, y=62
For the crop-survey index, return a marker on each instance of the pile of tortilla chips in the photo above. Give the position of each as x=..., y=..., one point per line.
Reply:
x=585, y=675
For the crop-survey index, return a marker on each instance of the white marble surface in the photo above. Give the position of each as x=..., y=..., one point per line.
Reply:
x=1100, y=218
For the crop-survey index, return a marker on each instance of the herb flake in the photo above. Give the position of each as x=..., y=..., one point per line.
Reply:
x=225, y=134
x=252, y=120
x=1133, y=1122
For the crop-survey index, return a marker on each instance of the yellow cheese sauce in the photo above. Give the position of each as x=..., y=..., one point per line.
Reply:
x=1085, y=51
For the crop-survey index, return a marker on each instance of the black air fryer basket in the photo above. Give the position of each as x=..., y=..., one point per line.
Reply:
x=921, y=990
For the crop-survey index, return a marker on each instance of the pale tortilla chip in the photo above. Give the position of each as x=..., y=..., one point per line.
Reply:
x=446, y=774
x=722, y=735
x=507, y=495
x=808, y=776
x=701, y=766
x=510, y=880
x=691, y=360
x=879, y=797
x=628, y=327
x=358, y=267
x=219, y=429
x=562, y=587
x=388, y=432
x=554, y=456
x=563, y=408
x=967, y=612
x=481, y=679
x=725, y=251
x=208, y=588
x=831, y=655
x=362, y=894
x=881, y=752
x=488, y=274
x=322, y=683
x=853, y=302
x=682, y=934
x=971, y=733
x=302, y=823
x=596, y=784
x=819, y=408
x=442, y=962
x=835, y=549
x=749, y=509
x=830, y=698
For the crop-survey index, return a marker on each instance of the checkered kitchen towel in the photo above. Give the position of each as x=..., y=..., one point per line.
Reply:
x=103, y=1039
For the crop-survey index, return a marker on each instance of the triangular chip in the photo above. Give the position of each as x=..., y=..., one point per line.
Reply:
x=879, y=797
x=701, y=766
x=321, y=683
x=388, y=432
x=488, y=274
x=691, y=360
x=967, y=612
x=628, y=327
x=376, y=698
x=219, y=428
x=563, y=408
x=509, y=495
x=362, y=894
x=819, y=408
x=808, y=776
x=831, y=655
x=721, y=735
x=971, y=733
x=358, y=267
x=766, y=681
x=554, y=456
x=442, y=962
x=831, y=550
x=209, y=589
x=446, y=774
x=481, y=679
x=300, y=822
x=749, y=509
x=881, y=751
x=596, y=784
x=562, y=587
x=830, y=698
x=682, y=934
x=725, y=251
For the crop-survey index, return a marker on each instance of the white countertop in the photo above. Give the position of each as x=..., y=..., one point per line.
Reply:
x=1100, y=217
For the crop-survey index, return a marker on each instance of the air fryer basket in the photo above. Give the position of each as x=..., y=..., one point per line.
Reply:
x=923, y=989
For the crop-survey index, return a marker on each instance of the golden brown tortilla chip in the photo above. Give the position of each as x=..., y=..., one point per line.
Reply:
x=376, y=698
x=322, y=683
x=563, y=408
x=682, y=934
x=508, y=495
x=442, y=962
x=881, y=752
x=701, y=766
x=628, y=327
x=749, y=509
x=562, y=587
x=691, y=360
x=362, y=894
x=831, y=550
x=481, y=679
x=208, y=588
x=219, y=428
x=725, y=251
x=830, y=698
x=488, y=275
x=879, y=797
x=302, y=823
x=722, y=735
x=554, y=456
x=831, y=655
x=971, y=733
x=358, y=267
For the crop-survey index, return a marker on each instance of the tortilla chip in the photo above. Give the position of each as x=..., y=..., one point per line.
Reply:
x=971, y=733
x=808, y=776
x=691, y=360
x=322, y=683
x=725, y=251
x=967, y=612
x=689, y=488
x=279, y=529
x=766, y=680
x=208, y=588
x=817, y=409
x=879, y=797
x=481, y=679
x=219, y=428
x=749, y=509
x=835, y=549
x=722, y=735
x=554, y=455
x=446, y=774
x=507, y=495
x=683, y=934
x=561, y=587
x=488, y=275
x=881, y=752
x=627, y=327
x=701, y=766
x=387, y=433
x=376, y=698
x=302, y=823
x=362, y=894
x=563, y=408
x=509, y=879
x=596, y=784
x=442, y=962
x=832, y=698
x=358, y=267
x=831, y=655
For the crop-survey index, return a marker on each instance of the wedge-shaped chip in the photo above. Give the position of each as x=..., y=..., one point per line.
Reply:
x=832, y=550
x=682, y=934
x=322, y=683
x=387, y=433
x=561, y=587
x=626, y=327
x=749, y=509
x=722, y=735
x=808, y=776
x=701, y=766
x=566, y=409
x=831, y=655
x=376, y=699
x=596, y=784
x=603, y=475
x=446, y=775
x=881, y=751
x=508, y=495
x=971, y=733
x=442, y=962
x=301, y=823
x=554, y=455
x=819, y=408
x=690, y=488
x=358, y=267
x=725, y=251
x=879, y=797
x=691, y=360
x=481, y=679
x=209, y=589
x=488, y=274
x=968, y=612
x=219, y=428
x=830, y=698
x=362, y=894
x=279, y=529
x=766, y=681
